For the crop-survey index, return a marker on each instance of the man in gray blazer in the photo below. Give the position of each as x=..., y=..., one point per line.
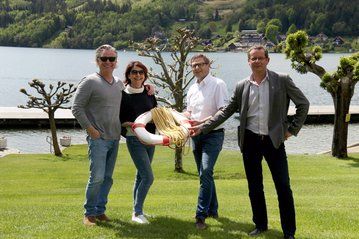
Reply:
x=262, y=101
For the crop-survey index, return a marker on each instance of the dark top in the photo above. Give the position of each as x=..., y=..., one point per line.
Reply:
x=133, y=105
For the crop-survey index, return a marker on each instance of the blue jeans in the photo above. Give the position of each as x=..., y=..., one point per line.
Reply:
x=102, y=155
x=142, y=156
x=206, y=149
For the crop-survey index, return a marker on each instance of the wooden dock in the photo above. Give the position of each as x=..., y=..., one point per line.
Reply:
x=13, y=117
x=324, y=114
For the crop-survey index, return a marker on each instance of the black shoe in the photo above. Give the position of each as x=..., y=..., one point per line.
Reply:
x=256, y=232
x=213, y=215
x=200, y=224
x=289, y=237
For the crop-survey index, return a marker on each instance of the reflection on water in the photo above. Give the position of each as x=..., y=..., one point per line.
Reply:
x=311, y=139
x=34, y=140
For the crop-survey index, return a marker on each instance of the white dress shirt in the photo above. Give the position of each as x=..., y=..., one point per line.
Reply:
x=258, y=106
x=204, y=99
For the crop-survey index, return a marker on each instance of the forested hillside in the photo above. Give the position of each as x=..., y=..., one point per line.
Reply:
x=89, y=23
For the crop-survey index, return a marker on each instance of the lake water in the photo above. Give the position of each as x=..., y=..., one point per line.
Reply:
x=21, y=65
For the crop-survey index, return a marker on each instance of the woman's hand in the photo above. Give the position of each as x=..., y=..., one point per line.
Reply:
x=127, y=124
x=150, y=89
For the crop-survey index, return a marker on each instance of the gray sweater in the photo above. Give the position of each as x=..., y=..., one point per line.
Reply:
x=98, y=103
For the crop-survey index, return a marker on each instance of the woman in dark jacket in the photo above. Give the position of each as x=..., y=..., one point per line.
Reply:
x=135, y=101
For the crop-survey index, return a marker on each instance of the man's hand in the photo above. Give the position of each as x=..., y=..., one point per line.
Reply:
x=195, y=122
x=187, y=114
x=150, y=89
x=198, y=122
x=93, y=133
x=195, y=130
x=287, y=135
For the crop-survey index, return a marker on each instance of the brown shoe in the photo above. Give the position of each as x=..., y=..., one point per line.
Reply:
x=200, y=224
x=89, y=220
x=103, y=218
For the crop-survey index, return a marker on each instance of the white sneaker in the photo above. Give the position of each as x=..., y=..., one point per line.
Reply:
x=141, y=219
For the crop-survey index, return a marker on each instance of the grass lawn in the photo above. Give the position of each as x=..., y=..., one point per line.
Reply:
x=41, y=196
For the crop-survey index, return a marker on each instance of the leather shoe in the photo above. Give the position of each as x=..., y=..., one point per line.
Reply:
x=89, y=220
x=256, y=232
x=289, y=237
x=103, y=218
x=213, y=215
x=200, y=224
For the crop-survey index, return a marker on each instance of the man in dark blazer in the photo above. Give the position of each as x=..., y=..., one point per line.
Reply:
x=262, y=100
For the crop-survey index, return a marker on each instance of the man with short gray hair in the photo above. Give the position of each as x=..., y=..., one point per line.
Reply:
x=96, y=107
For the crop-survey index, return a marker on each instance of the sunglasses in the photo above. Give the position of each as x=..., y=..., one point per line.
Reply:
x=135, y=72
x=105, y=58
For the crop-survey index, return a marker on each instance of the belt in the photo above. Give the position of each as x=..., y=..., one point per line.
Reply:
x=216, y=131
x=260, y=136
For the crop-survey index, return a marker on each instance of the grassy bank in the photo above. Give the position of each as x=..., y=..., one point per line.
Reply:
x=41, y=196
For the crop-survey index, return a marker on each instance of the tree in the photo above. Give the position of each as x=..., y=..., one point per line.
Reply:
x=275, y=22
x=292, y=29
x=260, y=27
x=339, y=84
x=340, y=28
x=272, y=32
x=175, y=77
x=205, y=33
x=319, y=24
x=228, y=27
x=49, y=101
x=240, y=25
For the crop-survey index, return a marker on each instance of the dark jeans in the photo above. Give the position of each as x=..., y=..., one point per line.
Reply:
x=205, y=150
x=254, y=148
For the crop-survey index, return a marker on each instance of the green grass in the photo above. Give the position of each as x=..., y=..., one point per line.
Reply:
x=41, y=196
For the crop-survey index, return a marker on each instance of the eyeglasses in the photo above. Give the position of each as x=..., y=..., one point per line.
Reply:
x=135, y=72
x=110, y=58
x=199, y=64
x=257, y=58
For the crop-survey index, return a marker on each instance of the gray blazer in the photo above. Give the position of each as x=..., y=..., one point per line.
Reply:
x=281, y=90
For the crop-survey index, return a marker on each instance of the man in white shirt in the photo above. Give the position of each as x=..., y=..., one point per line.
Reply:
x=262, y=101
x=204, y=98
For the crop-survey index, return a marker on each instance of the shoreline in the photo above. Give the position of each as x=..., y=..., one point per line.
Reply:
x=194, y=51
x=14, y=118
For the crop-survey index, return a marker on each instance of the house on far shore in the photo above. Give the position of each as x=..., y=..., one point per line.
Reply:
x=322, y=37
x=338, y=41
x=269, y=45
x=319, y=39
x=281, y=38
x=234, y=46
x=207, y=42
x=249, y=38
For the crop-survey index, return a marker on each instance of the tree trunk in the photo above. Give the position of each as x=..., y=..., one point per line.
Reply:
x=179, y=99
x=55, y=143
x=342, y=98
x=178, y=160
